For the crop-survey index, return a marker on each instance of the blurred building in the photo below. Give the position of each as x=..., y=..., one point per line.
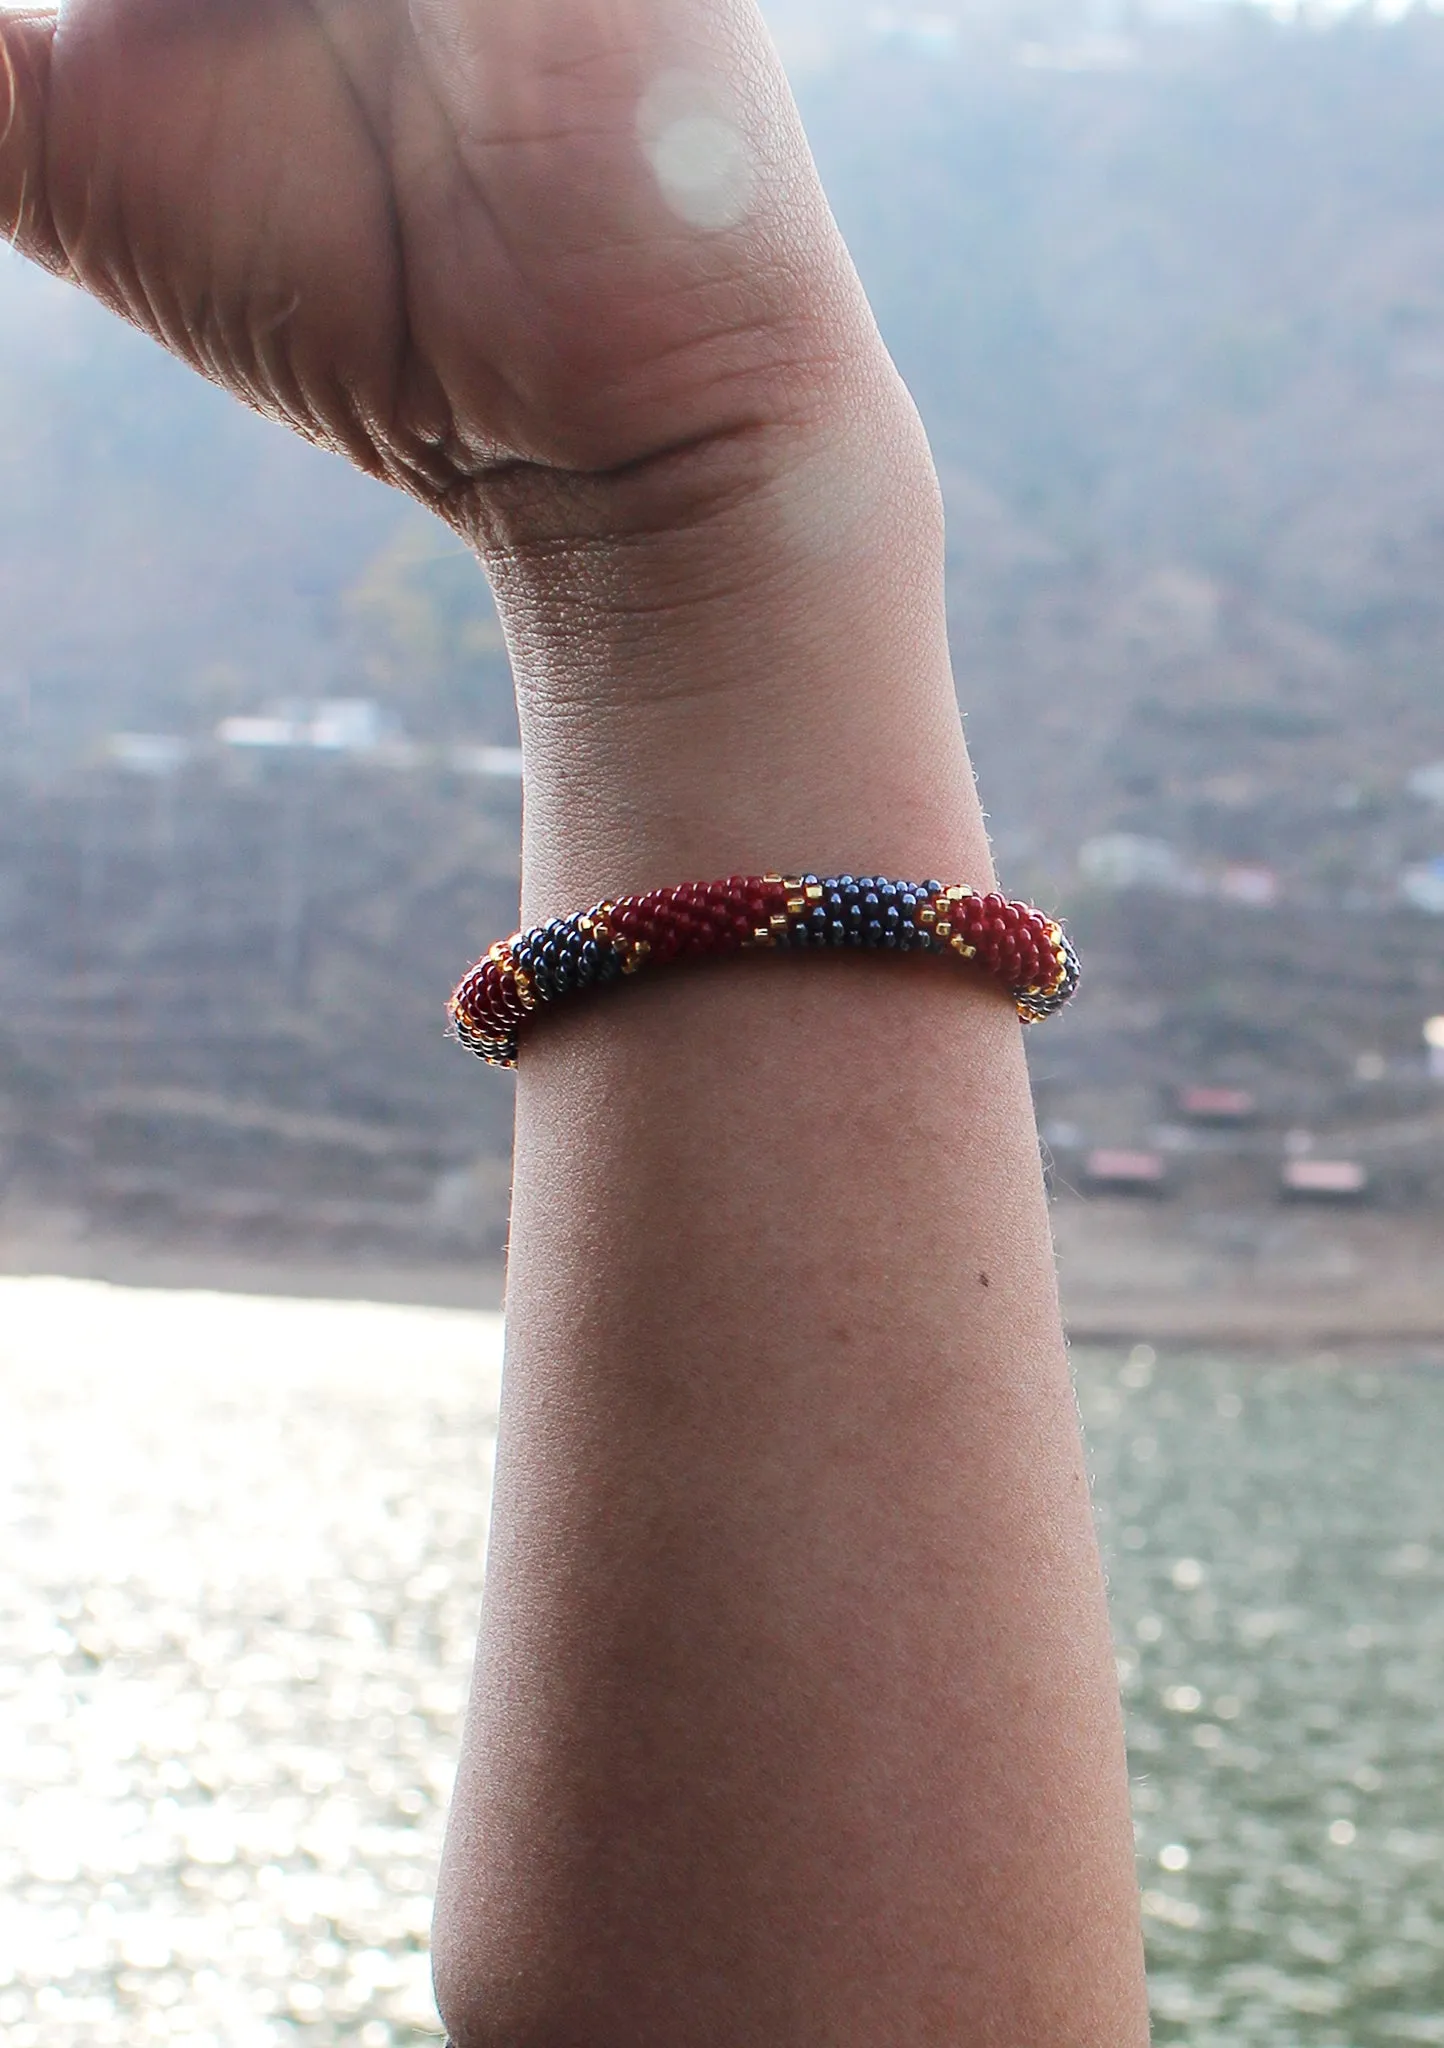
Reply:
x=1423, y=887
x=1428, y=783
x=342, y=725
x=1129, y=860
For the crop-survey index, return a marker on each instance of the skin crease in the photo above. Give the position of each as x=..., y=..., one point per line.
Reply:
x=795, y=1719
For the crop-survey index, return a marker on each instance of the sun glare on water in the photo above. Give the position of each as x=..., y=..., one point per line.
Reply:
x=243, y=1557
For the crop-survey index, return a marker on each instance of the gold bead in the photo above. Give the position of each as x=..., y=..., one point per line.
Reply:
x=777, y=923
x=762, y=936
x=774, y=878
x=928, y=916
x=814, y=892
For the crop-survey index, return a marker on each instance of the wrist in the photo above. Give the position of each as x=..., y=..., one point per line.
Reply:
x=871, y=781
x=760, y=680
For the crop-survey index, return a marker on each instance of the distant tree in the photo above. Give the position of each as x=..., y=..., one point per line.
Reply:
x=429, y=642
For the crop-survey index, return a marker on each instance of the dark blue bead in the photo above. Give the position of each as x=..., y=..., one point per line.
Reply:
x=837, y=933
x=932, y=888
x=889, y=940
x=809, y=881
x=873, y=928
x=870, y=899
x=892, y=917
x=845, y=882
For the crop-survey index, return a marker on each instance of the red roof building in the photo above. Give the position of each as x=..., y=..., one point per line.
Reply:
x=1115, y=1171
x=1218, y=1105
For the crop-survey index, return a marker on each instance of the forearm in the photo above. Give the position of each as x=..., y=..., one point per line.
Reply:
x=795, y=1716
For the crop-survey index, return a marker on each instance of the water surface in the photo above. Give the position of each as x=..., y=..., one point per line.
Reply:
x=1275, y=1543
x=243, y=1552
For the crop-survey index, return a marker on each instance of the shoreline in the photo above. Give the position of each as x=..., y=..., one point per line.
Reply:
x=213, y=1269
x=1130, y=1272
x=1283, y=1279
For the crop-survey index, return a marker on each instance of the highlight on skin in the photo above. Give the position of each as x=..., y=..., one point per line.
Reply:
x=702, y=160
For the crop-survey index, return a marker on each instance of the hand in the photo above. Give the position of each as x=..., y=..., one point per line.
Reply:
x=471, y=245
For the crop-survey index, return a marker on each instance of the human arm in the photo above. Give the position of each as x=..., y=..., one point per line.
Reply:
x=795, y=1717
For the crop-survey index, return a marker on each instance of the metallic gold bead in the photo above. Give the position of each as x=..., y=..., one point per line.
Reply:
x=944, y=929
x=814, y=892
x=774, y=878
x=797, y=904
x=762, y=936
x=637, y=957
x=777, y=923
x=526, y=990
x=928, y=915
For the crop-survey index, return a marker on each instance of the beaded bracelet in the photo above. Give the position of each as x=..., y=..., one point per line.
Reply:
x=524, y=975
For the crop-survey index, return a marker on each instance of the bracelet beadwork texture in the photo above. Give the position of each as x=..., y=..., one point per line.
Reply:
x=522, y=976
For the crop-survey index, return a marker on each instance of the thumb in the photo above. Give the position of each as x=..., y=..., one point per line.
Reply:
x=25, y=212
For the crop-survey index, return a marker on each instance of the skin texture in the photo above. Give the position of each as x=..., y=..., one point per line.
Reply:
x=794, y=1720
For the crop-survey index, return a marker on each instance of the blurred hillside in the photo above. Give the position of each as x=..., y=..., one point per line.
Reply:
x=1170, y=292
